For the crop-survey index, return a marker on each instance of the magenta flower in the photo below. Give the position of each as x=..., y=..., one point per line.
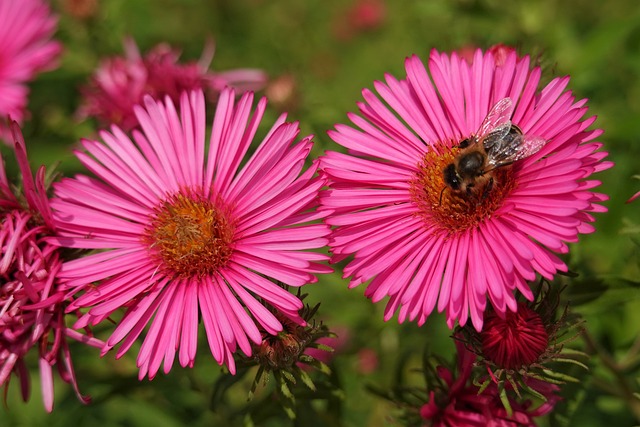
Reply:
x=31, y=303
x=429, y=235
x=455, y=400
x=182, y=228
x=26, y=27
x=120, y=83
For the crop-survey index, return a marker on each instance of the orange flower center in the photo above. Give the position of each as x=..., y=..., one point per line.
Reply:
x=457, y=210
x=190, y=236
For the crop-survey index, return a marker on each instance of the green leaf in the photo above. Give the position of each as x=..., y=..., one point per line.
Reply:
x=306, y=379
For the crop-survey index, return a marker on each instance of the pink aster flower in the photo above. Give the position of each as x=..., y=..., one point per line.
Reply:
x=120, y=83
x=26, y=48
x=183, y=228
x=31, y=303
x=428, y=239
x=455, y=400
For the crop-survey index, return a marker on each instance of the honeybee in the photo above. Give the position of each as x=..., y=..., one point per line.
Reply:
x=497, y=143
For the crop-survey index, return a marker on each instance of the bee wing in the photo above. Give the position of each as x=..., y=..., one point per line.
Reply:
x=513, y=148
x=499, y=118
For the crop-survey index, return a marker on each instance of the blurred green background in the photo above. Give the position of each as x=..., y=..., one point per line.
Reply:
x=329, y=55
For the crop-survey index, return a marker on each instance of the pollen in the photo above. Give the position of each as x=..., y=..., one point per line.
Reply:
x=191, y=236
x=455, y=211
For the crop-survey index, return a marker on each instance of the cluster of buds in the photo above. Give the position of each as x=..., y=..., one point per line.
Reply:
x=290, y=355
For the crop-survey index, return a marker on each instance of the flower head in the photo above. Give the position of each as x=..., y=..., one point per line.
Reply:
x=184, y=229
x=120, y=83
x=26, y=49
x=31, y=303
x=515, y=339
x=457, y=401
x=516, y=348
x=431, y=230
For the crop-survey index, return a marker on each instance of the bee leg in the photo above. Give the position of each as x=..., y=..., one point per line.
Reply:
x=470, y=189
x=487, y=188
x=441, y=193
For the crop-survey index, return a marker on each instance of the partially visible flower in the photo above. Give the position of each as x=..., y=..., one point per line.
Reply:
x=414, y=237
x=120, y=83
x=632, y=198
x=192, y=231
x=26, y=48
x=31, y=303
x=499, y=51
x=454, y=400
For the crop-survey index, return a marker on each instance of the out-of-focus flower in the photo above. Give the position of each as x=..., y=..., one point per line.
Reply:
x=26, y=48
x=429, y=239
x=190, y=231
x=499, y=51
x=31, y=303
x=120, y=83
x=361, y=16
x=282, y=92
x=81, y=9
x=337, y=342
x=367, y=361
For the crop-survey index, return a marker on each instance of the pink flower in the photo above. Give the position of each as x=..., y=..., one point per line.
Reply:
x=184, y=229
x=360, y=16
x=457, y=401
x=120, y=83
x=31, y=303
x=26, y=27
x=430, y=241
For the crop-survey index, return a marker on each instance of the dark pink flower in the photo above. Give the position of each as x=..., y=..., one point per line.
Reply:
x=513, y=339
x=120, y=83
x=192, y=231
x=31, y=303
x=26, y=27
x=415, y=237
x=457, y=401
